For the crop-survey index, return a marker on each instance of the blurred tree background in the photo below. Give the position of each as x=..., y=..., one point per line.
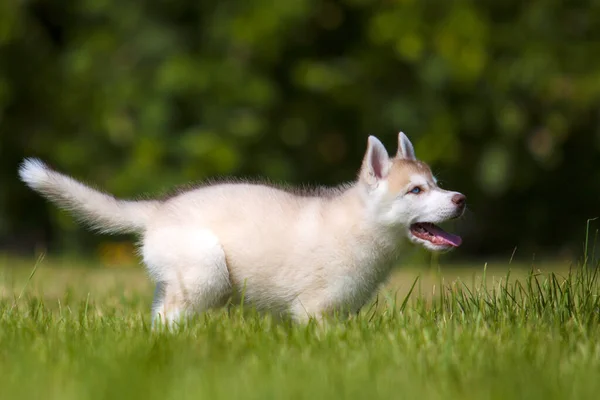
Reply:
x=501, y=97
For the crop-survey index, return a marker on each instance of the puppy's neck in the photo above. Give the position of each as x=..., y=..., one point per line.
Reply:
x=352, y=213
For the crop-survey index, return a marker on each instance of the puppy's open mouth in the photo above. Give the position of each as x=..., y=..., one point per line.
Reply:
x=434, y=234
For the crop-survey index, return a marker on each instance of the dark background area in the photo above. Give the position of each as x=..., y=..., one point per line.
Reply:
x=500, y=97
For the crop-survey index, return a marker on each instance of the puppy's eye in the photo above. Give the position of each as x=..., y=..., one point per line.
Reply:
x=416, y=190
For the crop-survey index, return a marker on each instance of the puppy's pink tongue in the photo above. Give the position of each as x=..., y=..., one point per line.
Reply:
x=443, y=237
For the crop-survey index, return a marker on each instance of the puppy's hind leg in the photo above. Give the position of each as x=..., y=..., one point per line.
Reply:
x=167, y=308
x=191, y=272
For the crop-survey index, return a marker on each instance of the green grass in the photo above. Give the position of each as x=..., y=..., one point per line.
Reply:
x=68, y=332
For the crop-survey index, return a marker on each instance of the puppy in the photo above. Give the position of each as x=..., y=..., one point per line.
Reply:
x=297, y=254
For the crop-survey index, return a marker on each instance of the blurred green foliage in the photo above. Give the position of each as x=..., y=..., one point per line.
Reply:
x=501, y=96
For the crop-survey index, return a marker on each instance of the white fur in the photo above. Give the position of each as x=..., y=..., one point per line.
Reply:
x=196, y=278
x=297, y=255
x=102, y=211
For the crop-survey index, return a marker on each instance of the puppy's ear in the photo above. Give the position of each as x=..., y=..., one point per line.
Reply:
x=405, y=148
x=376, y=163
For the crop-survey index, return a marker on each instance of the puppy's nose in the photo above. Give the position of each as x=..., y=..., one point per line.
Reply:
x=459, y=199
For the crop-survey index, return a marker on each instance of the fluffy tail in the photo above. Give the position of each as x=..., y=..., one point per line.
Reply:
x=99, y=210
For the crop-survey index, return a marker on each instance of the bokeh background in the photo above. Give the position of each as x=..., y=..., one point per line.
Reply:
x=501, y=97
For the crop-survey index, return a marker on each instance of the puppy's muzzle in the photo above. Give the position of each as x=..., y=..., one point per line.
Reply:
x=460, y=201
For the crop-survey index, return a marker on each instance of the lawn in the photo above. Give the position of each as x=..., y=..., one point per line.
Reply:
x=74, y=330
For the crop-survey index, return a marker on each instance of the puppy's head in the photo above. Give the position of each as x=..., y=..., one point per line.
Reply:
x=402, y=194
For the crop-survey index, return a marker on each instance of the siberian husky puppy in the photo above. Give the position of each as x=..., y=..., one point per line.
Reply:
x=293, y=253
